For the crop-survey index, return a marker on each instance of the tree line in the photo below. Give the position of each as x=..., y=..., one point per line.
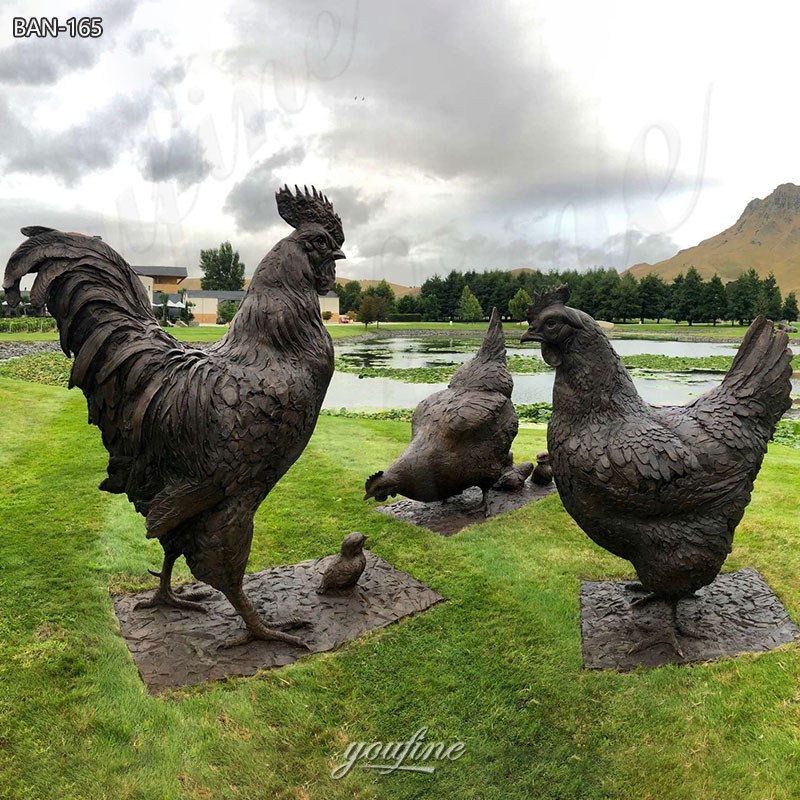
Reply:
x=602, y=293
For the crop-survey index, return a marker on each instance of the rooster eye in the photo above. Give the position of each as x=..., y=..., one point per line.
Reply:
x=551, y=323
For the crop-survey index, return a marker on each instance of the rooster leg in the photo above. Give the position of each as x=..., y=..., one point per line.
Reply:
x=164, y=596
x=256, y=628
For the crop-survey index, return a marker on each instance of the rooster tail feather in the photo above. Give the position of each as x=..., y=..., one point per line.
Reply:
x=89, y=288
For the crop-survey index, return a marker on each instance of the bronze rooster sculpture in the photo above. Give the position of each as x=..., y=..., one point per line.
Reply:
x=460, y=436
x=663, y=487
x=196, y=438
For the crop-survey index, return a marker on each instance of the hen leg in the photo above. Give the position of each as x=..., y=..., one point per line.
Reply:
x=164, y=596
x=256, y=627
x=667, y=635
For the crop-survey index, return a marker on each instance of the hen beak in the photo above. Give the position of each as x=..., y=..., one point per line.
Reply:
x=530, y=335
x=337, y=254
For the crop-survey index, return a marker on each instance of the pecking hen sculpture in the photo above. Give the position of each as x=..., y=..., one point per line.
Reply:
x=460, y=436
x=663, y=487
x=196, y=438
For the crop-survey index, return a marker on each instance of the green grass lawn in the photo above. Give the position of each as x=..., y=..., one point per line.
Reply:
x=497, y=666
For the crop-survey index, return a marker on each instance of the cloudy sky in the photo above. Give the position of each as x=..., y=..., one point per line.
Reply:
x=449, y=135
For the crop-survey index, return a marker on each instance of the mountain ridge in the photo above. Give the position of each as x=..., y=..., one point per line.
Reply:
x=766, y=237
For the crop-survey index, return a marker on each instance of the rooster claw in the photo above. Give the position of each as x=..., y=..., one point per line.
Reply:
x=171, y=600
x=263, y=634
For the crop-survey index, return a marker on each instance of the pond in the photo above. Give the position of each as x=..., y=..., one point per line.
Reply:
x=349, y=391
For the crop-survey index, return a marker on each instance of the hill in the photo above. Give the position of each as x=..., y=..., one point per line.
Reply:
x=398, y=289
x=766, y=237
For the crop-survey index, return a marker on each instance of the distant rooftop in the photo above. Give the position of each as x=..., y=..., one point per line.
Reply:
x=166, y=272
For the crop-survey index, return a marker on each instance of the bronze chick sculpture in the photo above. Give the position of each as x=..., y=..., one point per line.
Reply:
x=513, y=479
x=345, y=568
x=543, y=472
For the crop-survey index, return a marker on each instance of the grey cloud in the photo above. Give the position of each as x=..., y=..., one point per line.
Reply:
x=93, y=144
x=169, y=76
x=140, y=39
x=454, y=90
x=35, y=62
x=251, y=201
x=180, y=158
x=354, y=205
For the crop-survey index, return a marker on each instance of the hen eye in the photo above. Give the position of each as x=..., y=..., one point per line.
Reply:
x=551, y=323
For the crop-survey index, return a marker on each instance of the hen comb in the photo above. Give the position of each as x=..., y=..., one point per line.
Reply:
x=369, y=481
x=548, y=297
x=304, y=206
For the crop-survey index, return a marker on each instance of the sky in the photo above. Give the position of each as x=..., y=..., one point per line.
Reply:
x=448, y=134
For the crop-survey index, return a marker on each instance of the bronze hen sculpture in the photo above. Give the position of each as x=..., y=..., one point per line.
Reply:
x=460, y=436
x=663, y=487
x=196, y=438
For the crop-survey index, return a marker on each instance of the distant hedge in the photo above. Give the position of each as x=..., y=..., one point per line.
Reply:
x=404, y=318
x=27, y=324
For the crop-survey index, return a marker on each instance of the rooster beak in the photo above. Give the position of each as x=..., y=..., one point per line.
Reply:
x=337, y=254
x=530, y=336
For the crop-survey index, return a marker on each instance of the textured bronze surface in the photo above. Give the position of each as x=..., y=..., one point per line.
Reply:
x=664, y=487
x=196, y=438
x=460, y=436
x=173, y=648
x=737, y=613
x=452, y=515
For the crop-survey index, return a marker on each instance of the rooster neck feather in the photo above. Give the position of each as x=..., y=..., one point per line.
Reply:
x=280, y=310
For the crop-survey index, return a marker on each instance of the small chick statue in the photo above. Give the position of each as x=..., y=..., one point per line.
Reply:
x=543, y=473
x=513, y=479
x=345, y=568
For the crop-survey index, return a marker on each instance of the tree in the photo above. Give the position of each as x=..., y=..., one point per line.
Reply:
x=222, y=269
x=716, y=299
x=349, y=296
x=469, y=309
x=652, y=297
x=743, y=294
x=226, y=310
x=430, y=309
x=451, y=294
x=769, y=301
x=382, y=290
x=163, y=311
x=625, y=298
x=518, y=306
x=693, y=297
x=789, y=312
x=373, y=308
x=408, y=304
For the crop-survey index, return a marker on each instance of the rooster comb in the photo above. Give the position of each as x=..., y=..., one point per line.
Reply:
x=304, y=206
x=548, y=297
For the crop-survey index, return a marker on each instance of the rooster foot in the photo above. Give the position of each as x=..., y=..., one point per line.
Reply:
x=169, y=598
x=262, y=632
